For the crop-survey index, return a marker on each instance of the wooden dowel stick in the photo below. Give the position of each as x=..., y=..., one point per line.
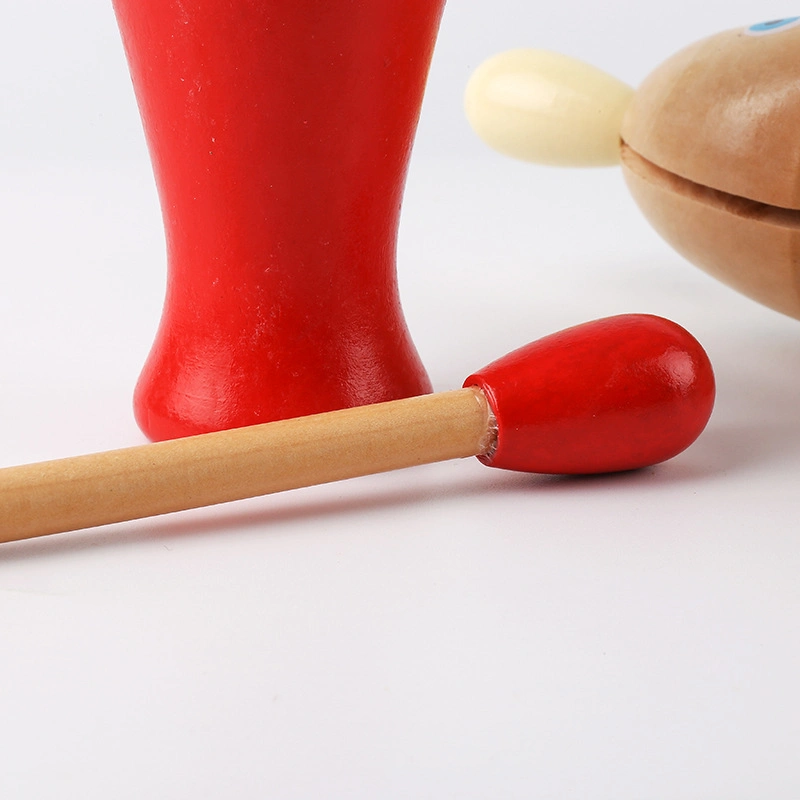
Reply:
x=86, y=491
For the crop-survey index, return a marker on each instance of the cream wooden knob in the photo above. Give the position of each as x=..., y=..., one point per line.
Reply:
x=548, y=108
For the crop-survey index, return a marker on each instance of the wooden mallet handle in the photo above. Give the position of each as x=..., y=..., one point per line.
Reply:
x=203, y=470
x=615, y=394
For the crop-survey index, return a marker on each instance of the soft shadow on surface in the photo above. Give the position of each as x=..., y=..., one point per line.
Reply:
x=236, y=517
x=730, y=447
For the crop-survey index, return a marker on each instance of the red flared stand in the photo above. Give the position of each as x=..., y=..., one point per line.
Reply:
x=280, y=133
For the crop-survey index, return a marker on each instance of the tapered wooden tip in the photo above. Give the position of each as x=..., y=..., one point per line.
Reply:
x=547, y=108
x=616, y=394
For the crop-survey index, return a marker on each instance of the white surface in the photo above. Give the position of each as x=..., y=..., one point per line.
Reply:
x=448, y=631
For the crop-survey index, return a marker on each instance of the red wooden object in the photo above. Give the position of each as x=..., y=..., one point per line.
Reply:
x=280, y=132
x=615, y=394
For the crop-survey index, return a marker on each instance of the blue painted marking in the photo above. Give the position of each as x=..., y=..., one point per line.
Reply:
x=773, y=26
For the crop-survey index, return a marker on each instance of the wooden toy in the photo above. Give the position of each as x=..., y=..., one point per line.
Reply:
x=709, y=144
x=279, y=132
x=615, y=394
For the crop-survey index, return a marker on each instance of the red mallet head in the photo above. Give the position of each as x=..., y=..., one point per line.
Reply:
x=614, y=394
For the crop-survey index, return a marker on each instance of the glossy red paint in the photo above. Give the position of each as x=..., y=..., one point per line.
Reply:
x=614, y=394
x=280, y=132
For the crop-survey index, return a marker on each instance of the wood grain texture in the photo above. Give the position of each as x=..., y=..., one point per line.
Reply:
x=725, y=113
x=752, y=247
x=203, y=470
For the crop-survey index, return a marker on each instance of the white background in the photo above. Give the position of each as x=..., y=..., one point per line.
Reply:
x=447, y=631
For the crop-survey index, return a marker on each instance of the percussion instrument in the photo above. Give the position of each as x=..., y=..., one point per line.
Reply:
x=708, y=144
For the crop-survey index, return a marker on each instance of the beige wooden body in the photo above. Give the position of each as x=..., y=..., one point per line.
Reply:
x=712, y=156
x=724, y=113
x=148, y=480
x=751, y=247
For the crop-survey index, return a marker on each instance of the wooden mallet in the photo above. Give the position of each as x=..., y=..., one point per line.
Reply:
x=615, y=394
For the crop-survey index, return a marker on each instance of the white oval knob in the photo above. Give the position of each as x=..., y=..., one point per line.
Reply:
x=540, y=106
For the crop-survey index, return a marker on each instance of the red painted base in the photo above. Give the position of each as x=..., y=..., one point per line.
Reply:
x=280, y=132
